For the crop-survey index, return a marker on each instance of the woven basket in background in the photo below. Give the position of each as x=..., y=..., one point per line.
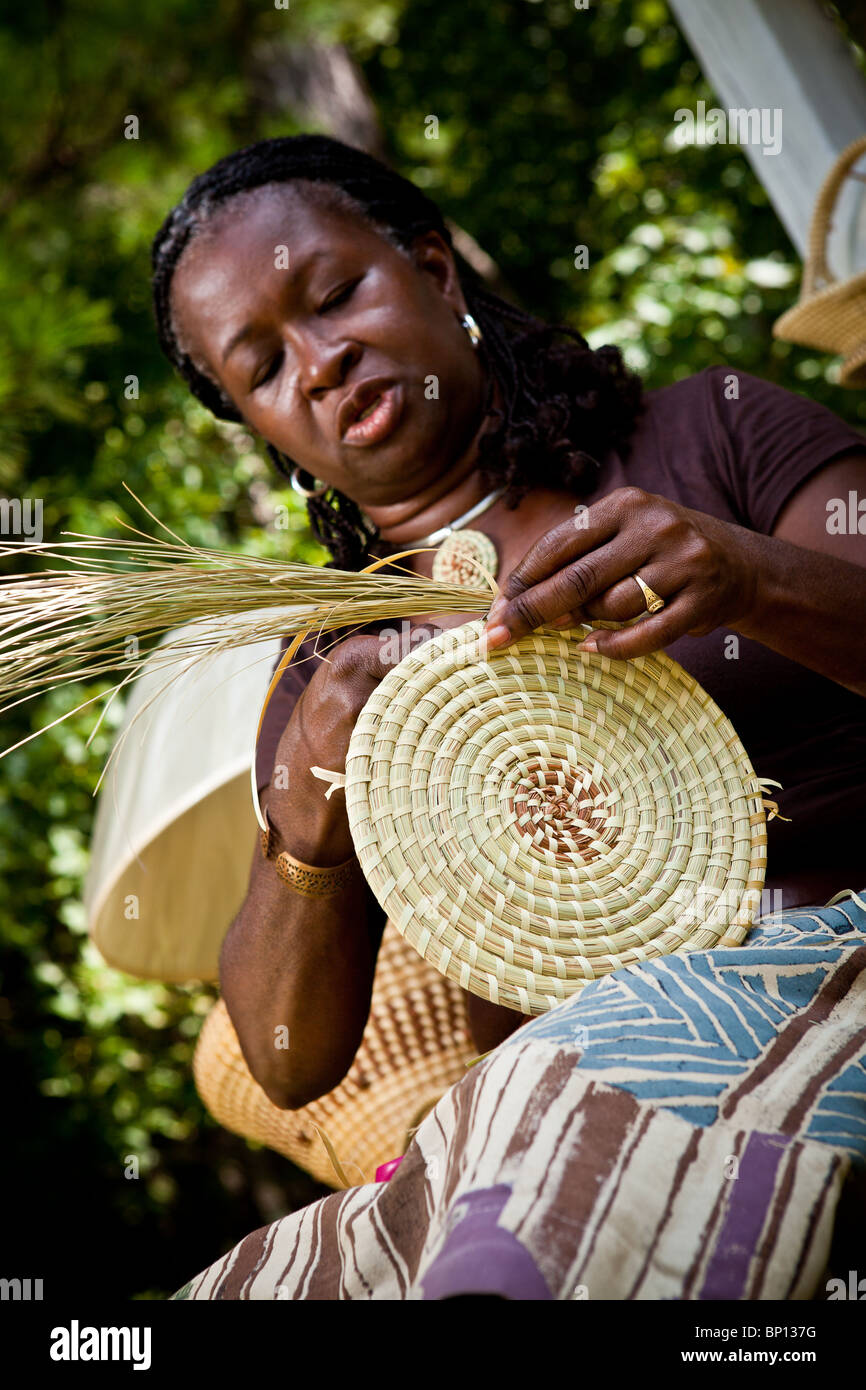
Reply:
x=536, y=819
x=830, y=315
x=415, y=1045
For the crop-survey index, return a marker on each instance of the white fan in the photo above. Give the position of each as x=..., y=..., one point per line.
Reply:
x=175, y=829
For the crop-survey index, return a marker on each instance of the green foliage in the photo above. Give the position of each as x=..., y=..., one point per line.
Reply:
x=554, y=130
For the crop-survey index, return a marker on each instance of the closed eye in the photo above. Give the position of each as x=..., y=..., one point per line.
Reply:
x=340, y=296
x=273, y=365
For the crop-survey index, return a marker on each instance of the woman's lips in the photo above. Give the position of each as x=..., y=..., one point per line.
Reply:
x=380, y=423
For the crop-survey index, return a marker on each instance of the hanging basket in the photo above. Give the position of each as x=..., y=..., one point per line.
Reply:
x=830, y=315
x=537, y=819
x=415, y=1045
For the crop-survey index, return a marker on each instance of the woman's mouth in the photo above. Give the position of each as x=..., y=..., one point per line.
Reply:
x=378, y=420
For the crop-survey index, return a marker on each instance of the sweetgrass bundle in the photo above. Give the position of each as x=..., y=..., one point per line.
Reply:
x=97, y=618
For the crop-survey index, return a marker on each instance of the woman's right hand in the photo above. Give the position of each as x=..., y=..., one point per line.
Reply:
x=316, y=826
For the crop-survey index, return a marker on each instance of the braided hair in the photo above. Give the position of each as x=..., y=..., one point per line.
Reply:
x=565, y=404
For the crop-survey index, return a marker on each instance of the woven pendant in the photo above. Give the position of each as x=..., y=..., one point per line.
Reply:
x=459, y=556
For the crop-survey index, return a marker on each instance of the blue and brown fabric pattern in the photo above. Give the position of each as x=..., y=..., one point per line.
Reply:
x=682, y=1129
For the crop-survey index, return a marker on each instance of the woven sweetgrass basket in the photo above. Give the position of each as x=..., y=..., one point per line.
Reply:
x=535, y=820
x=830, y=315
x=415, y=1045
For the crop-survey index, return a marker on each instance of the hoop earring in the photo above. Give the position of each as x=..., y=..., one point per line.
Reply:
x=469, y=323
x=306, y=491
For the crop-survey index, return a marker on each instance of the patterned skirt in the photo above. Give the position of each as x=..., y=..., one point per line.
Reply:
x=689, y=1128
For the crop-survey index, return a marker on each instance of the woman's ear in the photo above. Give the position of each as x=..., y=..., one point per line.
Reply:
x=433, y=257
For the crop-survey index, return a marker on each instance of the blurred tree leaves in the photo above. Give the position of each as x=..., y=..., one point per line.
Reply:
x=553, y=132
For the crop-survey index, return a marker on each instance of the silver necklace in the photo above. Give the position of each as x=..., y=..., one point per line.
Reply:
x=463, y=554
x=436, y=536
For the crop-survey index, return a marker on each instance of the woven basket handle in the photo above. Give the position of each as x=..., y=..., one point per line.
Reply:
x=816, y=272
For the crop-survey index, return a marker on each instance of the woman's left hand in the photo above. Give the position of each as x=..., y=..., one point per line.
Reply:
x=706, y=570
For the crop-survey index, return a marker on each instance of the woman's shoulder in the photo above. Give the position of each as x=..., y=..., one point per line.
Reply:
x=689, y=407
x=714, y=387
x=675, y=449
x=729, y=435
x=732, y=401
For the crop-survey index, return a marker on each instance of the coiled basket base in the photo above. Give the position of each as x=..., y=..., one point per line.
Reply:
x=538, y=818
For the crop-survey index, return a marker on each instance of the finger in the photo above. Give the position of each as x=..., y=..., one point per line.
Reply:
x=651, y=634
x=589, y=528
x=625, y=599
x=572, y=589
x=368, y=655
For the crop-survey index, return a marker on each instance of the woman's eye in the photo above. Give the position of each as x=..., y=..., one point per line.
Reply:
x=271, y=371
x=339, y=298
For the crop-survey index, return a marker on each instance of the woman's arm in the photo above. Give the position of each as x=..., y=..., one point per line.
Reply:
x=297, y=969
x=810, y=602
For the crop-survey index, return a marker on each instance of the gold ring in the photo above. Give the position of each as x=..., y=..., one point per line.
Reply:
x=654, y=601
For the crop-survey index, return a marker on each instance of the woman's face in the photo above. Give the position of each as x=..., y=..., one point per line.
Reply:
x=291, y=344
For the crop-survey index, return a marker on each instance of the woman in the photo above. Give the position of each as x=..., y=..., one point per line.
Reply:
x=301, y=286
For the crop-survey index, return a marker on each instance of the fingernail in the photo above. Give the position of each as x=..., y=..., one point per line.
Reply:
x=589, y=644
x=493, y=611
x=561, y=622
x=495, y=636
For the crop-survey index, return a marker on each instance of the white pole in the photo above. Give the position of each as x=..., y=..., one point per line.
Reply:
x=788, y=55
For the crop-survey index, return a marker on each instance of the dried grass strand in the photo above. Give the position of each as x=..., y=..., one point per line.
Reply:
x=62, y=627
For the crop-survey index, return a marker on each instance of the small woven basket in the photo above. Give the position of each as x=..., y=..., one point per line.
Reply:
x=415, y=1045
x=536, y=819
x=830, y=315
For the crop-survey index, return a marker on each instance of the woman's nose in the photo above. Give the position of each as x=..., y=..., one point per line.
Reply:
x=324, y=365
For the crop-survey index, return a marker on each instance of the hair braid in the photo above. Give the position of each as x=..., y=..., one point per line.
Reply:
x=564, y=404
